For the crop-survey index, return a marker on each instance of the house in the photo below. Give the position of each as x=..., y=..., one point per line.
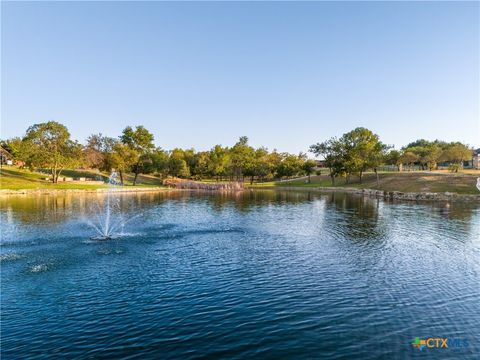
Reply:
x=476, y=159
x=473, y=163
x=320, y=164
x=5, y=157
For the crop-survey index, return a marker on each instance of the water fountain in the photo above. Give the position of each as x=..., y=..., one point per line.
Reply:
x=109, y=218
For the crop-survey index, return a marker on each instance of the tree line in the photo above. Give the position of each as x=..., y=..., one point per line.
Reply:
x=49, y=146
x=360, y=149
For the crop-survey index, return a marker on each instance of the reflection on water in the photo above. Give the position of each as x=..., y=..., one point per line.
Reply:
x=57, y=208
x=249, y=274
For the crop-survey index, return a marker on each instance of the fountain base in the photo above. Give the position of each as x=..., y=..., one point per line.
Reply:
x=104, y=237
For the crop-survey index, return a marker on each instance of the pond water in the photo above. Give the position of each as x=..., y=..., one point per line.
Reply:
x=256, y=274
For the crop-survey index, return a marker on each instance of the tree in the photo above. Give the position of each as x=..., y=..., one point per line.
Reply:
x=48, y=145
x=177, y=166
x=354, y=153
x=408, y=158
x=334, y=153
x=377, y=158
x=261, y=164
x=273, y=160
x=393, y=158
x=158, y=162
x=290, y=165
x=200, y=167
x=107, y=148
x=308, y=167
x=432, y=154
x=141, y=141
x=16, y=147
x=189, y=157
x=242, y=158
x=98, y=152
x=456, y=153
x=219, y=161
x=364, y=150
x=122, y=158
x=94, y=151
x=427, y=152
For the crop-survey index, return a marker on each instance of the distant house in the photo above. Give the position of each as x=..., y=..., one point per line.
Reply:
x=473, y=163
x=5, y=157
x=320, y=163
x=476, y=159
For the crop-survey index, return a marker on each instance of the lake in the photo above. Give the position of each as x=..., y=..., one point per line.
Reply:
x=254, y=274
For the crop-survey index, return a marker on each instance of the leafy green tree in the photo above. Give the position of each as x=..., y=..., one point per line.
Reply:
x=420, y=152
x=93, y=152
x=16, y=147
x=274, y=159
x=334, y=153
x=141, y=141
x=200, y=168
x=242, y=158
x=354, y=153
x=393, y=158
x=456, y=154
x=177, y=166
x=122, y=158
x=431, y=156
x=420, y=143
x=99, y=151
x=408, y=158
x=189, y=157
x=364, y=150
x=158, y=162
x=308, y=167
x=107, y=148
x=219, y=161
x=48, y=145
x=290, y=166
x=427, y=152
x=261, y=164
x=377, y=158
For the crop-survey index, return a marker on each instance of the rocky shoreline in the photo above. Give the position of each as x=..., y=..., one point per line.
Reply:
x=420, y=196
x=387, y=195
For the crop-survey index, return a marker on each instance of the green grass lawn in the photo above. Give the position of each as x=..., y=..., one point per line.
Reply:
x=461, y=183
x=13, y=178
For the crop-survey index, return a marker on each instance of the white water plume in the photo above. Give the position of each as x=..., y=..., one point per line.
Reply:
x=108, y=221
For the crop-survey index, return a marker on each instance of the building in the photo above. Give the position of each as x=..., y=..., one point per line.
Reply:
x=5, y=157
x=473, y=163
x=476, y=159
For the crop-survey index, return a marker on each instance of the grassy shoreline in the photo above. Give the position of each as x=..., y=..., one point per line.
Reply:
x=407, y=182
x=19, y=181
x=13, y=178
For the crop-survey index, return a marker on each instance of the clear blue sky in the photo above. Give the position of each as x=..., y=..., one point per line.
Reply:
x=285, y=74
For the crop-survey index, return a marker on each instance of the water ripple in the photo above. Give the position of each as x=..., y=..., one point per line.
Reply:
x=255, y=275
